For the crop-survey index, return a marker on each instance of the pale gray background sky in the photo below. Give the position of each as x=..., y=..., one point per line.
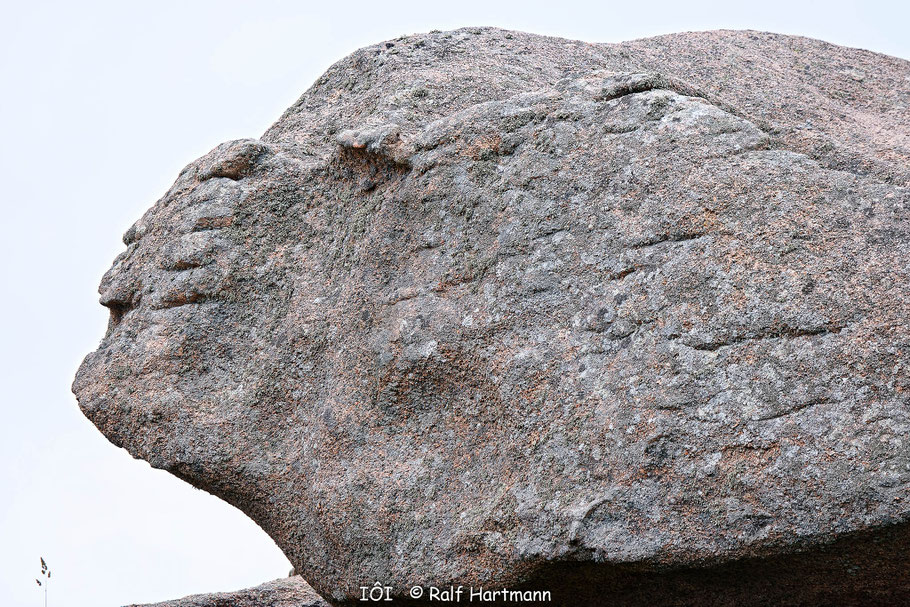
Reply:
x=102, y=104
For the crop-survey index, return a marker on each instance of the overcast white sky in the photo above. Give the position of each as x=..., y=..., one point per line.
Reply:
x=102, y=103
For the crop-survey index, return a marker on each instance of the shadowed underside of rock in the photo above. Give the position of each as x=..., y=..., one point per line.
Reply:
x=491, y=308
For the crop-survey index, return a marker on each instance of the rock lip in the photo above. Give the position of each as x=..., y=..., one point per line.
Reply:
x=617, y=321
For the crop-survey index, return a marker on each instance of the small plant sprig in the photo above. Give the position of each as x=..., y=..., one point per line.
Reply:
x=46, y=574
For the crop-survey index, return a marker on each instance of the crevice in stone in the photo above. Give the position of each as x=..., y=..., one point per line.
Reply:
x=777, y=334
x=678, y=237
x=796, y=409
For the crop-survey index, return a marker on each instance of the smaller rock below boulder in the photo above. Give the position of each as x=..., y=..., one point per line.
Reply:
x=286, y=592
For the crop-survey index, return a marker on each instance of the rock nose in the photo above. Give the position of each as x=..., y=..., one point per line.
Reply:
x=120, y=287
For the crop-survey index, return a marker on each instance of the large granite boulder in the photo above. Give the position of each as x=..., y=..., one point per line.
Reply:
x=625, y=322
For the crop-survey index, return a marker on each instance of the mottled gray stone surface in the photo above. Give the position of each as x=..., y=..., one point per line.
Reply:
x=627, y=322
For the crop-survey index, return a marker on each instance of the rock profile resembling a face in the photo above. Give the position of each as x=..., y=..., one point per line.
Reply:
x=627, y=323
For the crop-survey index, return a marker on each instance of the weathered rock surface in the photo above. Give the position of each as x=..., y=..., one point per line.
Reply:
x=288, y=592
x=625, y=322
